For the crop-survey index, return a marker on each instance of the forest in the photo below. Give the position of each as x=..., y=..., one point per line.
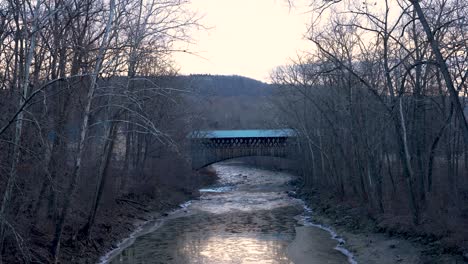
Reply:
x=81, y=100
x=381, y=107
x=95, y=118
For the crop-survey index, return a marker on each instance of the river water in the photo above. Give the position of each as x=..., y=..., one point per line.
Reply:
x=247, y=217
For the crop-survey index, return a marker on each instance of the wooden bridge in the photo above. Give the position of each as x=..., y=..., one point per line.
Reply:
x=212, y=146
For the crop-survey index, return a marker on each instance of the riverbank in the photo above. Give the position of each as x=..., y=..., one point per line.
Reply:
x=246, y=216
x=113, y=227
x=368, y=242
x=372, y=243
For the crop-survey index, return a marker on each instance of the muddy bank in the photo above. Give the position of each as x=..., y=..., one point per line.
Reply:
x=372, y=243
x=113, y=227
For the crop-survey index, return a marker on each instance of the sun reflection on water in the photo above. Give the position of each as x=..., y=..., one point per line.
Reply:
x=236, y=249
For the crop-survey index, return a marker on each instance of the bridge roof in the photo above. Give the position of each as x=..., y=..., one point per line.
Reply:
x=249, y=133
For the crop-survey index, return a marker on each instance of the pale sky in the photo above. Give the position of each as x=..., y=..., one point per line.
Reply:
x=246, y=37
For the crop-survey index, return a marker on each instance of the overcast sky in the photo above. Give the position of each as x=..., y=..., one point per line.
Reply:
x=247, y=37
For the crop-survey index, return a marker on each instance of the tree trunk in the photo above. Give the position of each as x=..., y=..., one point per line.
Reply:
x=19, y=129
x=55, y=247
x=102, y=177
x=407, y=165
x=443, y=68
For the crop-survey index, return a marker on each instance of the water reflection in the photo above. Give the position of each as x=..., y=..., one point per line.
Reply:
x=218, y=249
x=238, y=249
x=237, y=237
x=252, y=221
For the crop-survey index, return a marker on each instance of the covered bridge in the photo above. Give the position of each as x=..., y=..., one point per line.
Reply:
x=210, y=146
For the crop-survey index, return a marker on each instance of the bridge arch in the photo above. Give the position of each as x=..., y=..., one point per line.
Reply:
x=208, y=147
x=281, y=159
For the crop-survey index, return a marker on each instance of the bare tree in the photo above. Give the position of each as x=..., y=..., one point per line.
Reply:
x=387, y=82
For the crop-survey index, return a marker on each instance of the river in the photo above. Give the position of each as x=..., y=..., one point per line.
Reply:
x=247, y=217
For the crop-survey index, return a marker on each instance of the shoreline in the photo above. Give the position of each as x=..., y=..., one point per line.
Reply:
x=341, y=245
x=365, y=243
x=370, y=245
x=133, y=223
x=143, y=228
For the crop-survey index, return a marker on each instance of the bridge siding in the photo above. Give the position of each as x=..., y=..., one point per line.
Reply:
x=249, y=133
x=206, y=151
